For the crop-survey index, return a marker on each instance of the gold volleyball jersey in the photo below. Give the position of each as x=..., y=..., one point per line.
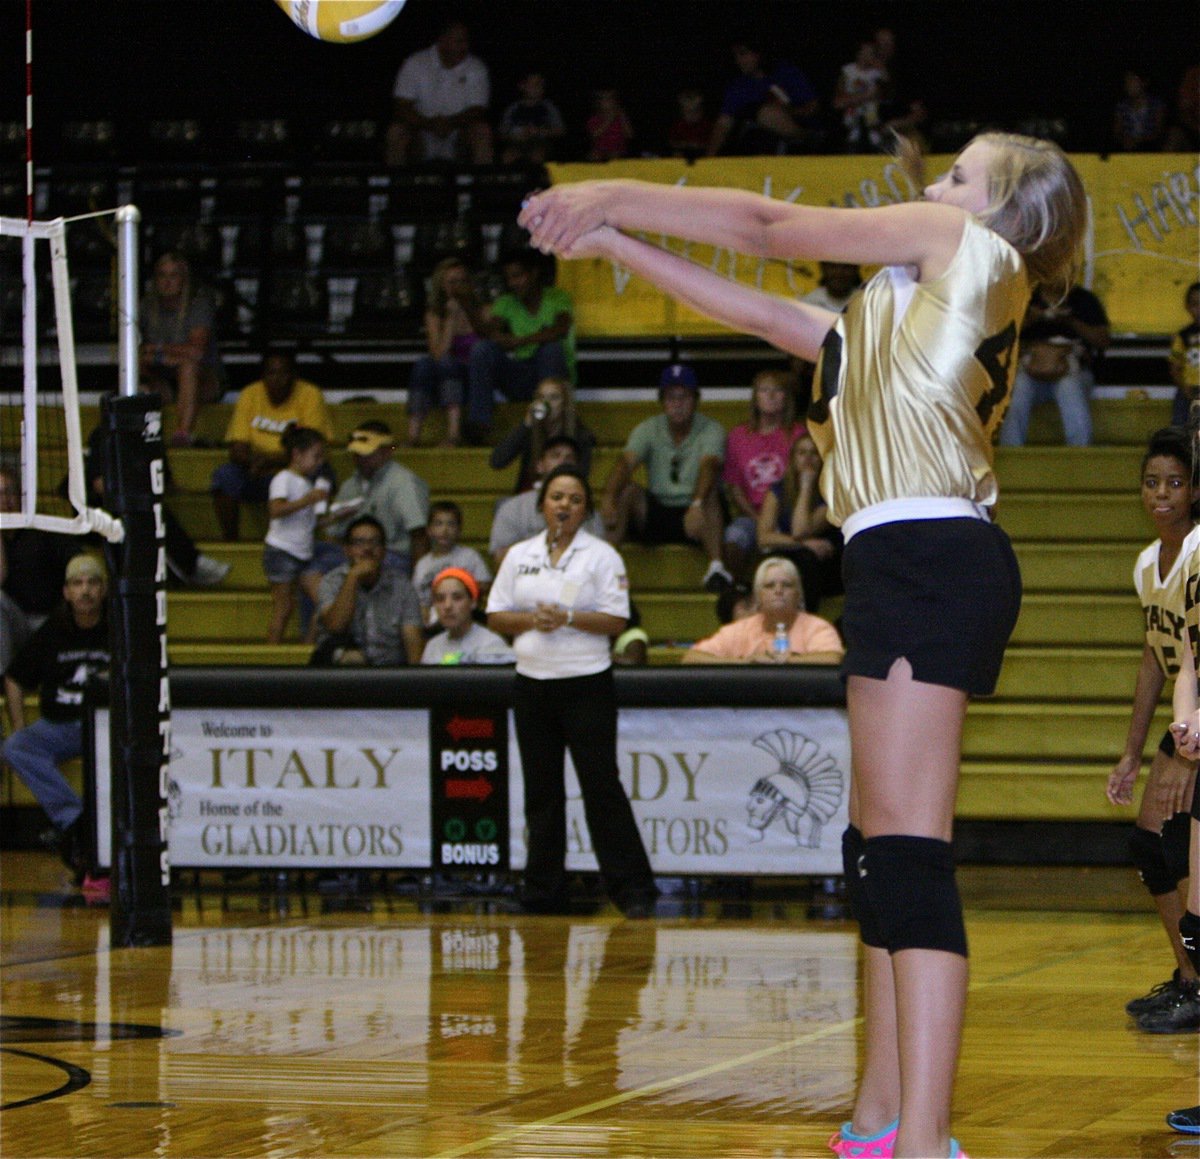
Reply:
x=1191, y=592
x=1164, y=599
x=914, y=378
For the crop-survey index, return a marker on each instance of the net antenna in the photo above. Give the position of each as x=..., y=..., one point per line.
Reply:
x=41, y=430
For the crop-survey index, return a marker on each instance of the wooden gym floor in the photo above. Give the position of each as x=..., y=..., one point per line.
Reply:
x=301, y=1025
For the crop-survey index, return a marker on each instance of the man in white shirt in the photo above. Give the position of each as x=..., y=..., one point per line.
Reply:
x=441, y=97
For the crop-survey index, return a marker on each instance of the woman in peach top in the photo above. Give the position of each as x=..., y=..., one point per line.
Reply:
x=779, y=600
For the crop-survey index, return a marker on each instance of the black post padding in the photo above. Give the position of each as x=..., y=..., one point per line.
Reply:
x=140, y=701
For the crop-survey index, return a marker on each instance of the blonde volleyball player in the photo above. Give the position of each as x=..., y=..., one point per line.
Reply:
x=1159, y=842
x=910, y=388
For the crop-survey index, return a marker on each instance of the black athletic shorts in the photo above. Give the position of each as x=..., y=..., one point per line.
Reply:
x=942, y=593
x=663, y=524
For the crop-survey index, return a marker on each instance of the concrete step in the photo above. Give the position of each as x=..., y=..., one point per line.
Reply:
x=1026, y=516
x=1117, y=422
x=1007, y=730
x=1045, y=567
x=1037, y=790
x=684, y=616
x=1070, y=469
x=1056, y=517
x=1066, y=674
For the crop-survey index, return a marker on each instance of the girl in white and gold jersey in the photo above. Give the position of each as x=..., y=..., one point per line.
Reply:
x=911, y=383
x=1159, y=841
x=1186, y=730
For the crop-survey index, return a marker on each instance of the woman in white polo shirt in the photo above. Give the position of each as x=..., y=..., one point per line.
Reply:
x=562, y=596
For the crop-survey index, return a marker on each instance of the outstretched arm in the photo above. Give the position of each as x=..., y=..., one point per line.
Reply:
x=796, y=327
x=921, y=234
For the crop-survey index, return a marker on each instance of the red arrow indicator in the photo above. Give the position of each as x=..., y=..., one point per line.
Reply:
x=480, y=788
x=473, y=728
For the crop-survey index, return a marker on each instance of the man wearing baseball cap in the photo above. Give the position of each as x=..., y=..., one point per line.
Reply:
x=58, y=660
x=683, y=452
x=386, y=490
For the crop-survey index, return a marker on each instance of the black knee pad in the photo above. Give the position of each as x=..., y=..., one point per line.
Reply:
x=1189, y=934
x=910, y=884
x=1149, y=859
x=1176, y=833
x=852, y=850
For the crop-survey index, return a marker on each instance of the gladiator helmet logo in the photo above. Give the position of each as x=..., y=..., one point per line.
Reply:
x=805, y=791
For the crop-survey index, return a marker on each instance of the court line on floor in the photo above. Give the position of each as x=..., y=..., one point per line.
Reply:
x=499, y=1138
x=502, y=1137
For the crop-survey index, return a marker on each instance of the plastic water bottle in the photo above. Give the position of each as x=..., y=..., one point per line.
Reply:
x=781, y=646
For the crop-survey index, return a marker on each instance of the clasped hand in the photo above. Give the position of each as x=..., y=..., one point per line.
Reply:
x=549, y=617
x=567, y=220
x=1187, y=738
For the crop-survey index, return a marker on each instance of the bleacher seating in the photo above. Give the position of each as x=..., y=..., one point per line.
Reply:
x=338, y=252
x=1039, y=750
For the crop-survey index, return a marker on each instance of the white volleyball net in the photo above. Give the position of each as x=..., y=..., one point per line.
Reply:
x=41, y=440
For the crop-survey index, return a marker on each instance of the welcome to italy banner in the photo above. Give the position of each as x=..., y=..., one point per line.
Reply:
x=1143, y=246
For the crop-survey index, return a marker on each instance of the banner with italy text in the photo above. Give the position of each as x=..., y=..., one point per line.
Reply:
x=1142, y=244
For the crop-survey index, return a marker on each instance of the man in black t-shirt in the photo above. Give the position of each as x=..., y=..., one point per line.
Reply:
x=1062, y=346
x=58, y=660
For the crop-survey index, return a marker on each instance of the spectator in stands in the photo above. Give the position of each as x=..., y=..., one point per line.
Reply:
x=767, y=108
x=518, y=517
x=1061, y=349
x=631, y=649
x=441, y=100
x=185, y=561
x=387, y=490
x=1139, y=118
x=58, y=660
x=532, y=125
x=529, y=335
x=461, y=640
x=263, y=411
x=296, y=500
x=683, y=452
x=793, y=522
x=735, y=602
x=552, y=412
x=367, y=614
x=453, y=324
x=857, y=97
x=899, y=110
x=836, y=286
x=178, y=354
x=692, y=129
x=443, y=530
x=833, y=292
x=36, y=560
x=1184, y=134
x=756, y=457
x=609, y=131
x=14, y=624
x=779, y=601
x=1185, y=359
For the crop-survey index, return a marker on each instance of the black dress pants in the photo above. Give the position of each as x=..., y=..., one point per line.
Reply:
x=578, y=713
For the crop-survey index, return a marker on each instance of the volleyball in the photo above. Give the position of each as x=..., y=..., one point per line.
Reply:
x=341, y=21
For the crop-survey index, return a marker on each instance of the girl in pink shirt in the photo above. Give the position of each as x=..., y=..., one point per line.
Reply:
x=756, y=458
